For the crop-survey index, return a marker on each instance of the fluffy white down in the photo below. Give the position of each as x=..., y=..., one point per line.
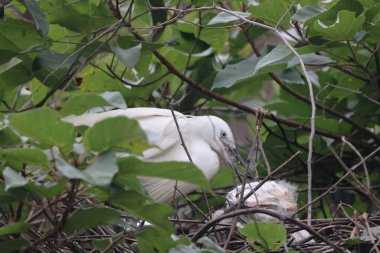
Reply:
x=279, y=196
x=201, y=136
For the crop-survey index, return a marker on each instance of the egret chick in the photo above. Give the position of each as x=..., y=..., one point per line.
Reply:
x=279, y=196
x=208, y=139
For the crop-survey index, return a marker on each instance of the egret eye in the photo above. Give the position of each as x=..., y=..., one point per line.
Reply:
x=223, y=134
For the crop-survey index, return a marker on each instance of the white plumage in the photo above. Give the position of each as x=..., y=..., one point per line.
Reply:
x=207, y=139
x=278, y=196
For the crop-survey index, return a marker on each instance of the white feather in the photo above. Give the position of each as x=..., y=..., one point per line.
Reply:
x=201, y=136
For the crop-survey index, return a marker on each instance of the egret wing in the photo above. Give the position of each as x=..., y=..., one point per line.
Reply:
x=163, y=190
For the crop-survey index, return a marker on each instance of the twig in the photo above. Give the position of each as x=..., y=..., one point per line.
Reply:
x=366, y=191
x=361, y=158
x=281, y=217
x=340, y=179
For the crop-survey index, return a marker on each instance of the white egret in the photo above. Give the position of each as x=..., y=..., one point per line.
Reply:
x=209, y=141
x=279, y=196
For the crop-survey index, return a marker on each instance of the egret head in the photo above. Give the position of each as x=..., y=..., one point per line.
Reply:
x=220, y=137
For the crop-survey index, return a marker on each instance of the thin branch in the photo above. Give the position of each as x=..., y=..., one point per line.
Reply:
x=341, y=179
x=361, y=158
x=302, y=225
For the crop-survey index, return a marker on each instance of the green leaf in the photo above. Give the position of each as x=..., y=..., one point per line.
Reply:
x=270, y=236
x=8, y=138
x=186, y=172
x=235, y=72
x=271, y=12
x=128, y=56
x=118, y=132
x=83, y=16
x=10, y=64
x=12, y=179
x=17, y=35
x=307, y=12
x=100, y=172
x=223, y=17
x=276, y=56
x=68, y=170
x=152, y=240
x=344, y=28
x=310, y=59
x=38, y=16
x=43, y=125
x=142, y=207
x=48, y=59
x=14, y=228
x=49, y=189
x=330, y=15
x=12, y=245
x=91, y=218
x=114, y=98
x=187, y=249
x=35, y=156
x=80, y=103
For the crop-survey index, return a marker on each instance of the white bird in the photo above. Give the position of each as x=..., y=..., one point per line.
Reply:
x=209, y=141
x=279, y=196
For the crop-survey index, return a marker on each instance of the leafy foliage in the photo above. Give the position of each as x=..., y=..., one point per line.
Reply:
x=63, y=57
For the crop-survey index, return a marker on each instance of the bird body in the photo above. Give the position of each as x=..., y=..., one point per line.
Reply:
x=205, y=137
x=279, y=196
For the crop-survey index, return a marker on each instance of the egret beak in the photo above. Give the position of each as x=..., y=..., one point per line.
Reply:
x=235, y=153
x=239, y=158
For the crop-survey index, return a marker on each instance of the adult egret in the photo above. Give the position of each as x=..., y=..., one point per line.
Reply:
x=208, y=139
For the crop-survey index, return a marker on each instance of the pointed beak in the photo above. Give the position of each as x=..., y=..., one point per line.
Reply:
x=240, y=160
x=235, y=153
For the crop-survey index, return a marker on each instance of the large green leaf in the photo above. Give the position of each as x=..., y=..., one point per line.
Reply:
x=274, y=57
x=42, y=24
x=330, y=15
x=82, y=16
x=91, y=218
x=307, y=12
x=10, y=64
x=12, y=179
x=14, y=228
x=172, y=170
x=25, y=155
x=118, y=132
x=43, y=125
x=235, y=72
x=272, y=12
x=128, y=56
x=8, y=138
x=223, y=17
x=12, y=245
x=344, y=28
x=310, y=59
x=100, y=172
x=144, y=208
x=17, y=35
x=82, y=102
x=270, y=236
